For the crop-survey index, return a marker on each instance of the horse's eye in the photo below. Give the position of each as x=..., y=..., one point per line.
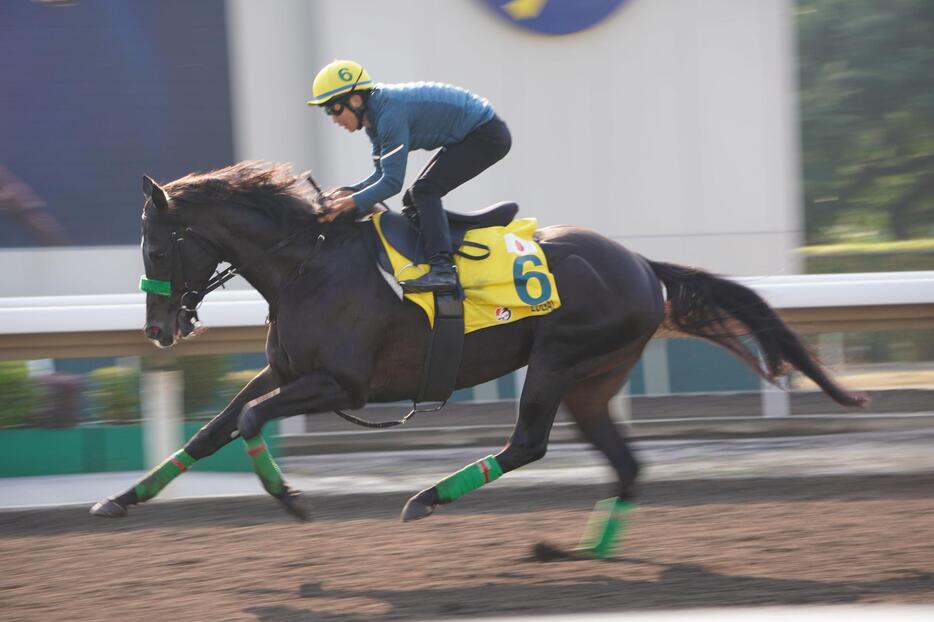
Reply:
x=156, y=254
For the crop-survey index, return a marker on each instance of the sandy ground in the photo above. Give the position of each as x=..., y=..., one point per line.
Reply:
x=692, y=543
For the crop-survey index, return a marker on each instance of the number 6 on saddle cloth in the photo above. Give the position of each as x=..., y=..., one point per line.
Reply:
x=503, y=276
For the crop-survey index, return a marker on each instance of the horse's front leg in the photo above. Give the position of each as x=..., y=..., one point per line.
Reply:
x=214, y=435
x=312, y=393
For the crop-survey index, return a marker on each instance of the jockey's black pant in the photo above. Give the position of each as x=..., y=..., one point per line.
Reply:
x=451, y=166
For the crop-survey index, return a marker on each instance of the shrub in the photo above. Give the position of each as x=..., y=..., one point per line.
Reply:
x=203, y=380
x=19, y=395
x=59, y=404
x=115, y=393
x=232, y=382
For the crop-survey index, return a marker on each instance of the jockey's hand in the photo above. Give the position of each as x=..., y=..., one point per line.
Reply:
x=335, y=206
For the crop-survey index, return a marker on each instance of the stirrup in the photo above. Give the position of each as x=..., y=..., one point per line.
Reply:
x=420, y=285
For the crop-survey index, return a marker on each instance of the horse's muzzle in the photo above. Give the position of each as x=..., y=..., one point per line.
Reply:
x=159, y=337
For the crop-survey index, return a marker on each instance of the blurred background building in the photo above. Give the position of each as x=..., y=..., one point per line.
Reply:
x=670, y=127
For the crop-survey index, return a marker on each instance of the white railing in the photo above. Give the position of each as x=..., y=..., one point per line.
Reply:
x=794, y=295
x=101, y=325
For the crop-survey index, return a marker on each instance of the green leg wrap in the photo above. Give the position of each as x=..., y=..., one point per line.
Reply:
x=159, y=477
x=264, y=465
x=469, y=478
x=605, y=526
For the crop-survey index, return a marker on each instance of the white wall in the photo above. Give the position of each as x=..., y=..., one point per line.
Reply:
x=671, y=126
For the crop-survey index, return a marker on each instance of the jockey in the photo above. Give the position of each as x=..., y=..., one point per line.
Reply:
x=399, y=118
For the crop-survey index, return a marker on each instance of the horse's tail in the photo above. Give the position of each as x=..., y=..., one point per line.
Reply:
x=708, y=306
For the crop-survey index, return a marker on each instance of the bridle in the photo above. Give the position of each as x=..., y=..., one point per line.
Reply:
x=192, y=295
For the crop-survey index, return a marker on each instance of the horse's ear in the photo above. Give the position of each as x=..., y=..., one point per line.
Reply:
x=152, y=191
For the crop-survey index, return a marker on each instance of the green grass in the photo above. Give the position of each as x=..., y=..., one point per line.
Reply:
x=924, y=245
x=892, y=256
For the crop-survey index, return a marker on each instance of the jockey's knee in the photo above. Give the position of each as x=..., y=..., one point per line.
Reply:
x=425, y=189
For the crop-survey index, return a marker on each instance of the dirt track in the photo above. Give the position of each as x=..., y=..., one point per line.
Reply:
x=701, y=543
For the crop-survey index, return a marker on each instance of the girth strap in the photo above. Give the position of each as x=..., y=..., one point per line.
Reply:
x=442, y=361
x=445, y=346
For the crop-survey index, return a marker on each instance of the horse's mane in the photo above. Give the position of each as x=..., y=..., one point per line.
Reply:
x=268, y=186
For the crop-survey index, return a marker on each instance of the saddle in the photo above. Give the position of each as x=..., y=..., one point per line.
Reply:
x=401, y=230
x=443, y=357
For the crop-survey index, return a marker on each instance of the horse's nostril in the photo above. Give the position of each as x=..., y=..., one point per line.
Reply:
x=152, y=332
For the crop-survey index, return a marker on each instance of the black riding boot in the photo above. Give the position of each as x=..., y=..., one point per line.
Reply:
x=441, y=277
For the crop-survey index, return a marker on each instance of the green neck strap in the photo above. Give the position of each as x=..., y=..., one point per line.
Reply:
x=154, y=286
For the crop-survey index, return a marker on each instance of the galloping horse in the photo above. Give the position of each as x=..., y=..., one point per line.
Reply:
x=339, y=337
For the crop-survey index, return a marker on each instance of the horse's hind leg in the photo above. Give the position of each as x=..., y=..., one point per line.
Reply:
x=214, y=435
x=588, y=402
x=541, y=396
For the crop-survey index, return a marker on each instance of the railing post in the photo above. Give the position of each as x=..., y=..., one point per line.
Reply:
x=655, y=365
x=621, y=406
x=776, y=401
x=518, y=377
x=162, y=414
x=293, y=425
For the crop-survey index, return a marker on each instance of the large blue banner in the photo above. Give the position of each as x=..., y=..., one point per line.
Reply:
x=95, y=94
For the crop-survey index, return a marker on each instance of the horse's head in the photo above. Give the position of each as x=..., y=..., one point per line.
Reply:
x=178, y=266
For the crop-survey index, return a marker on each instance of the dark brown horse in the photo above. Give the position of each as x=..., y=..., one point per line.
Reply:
x=340, y=338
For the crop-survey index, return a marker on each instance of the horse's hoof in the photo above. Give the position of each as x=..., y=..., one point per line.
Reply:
x=108, y=508
x=295, y=504
x=548, y=552
x=415, y=510
x=421, y=505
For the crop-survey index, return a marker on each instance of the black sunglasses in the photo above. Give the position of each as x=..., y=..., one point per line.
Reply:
x=334, y=108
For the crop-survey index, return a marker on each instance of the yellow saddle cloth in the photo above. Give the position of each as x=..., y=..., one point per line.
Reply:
x=511, y=284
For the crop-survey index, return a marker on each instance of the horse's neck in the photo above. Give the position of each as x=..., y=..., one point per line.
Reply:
x=268, y=271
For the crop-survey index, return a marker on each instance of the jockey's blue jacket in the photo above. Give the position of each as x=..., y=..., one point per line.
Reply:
x=420, y=115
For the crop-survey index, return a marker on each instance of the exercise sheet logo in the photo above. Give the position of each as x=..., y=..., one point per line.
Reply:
x=517, y=245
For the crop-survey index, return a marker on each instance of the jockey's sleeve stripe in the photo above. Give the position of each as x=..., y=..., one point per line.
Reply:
x=181, y=467
x=396, y=150
x=252, y=451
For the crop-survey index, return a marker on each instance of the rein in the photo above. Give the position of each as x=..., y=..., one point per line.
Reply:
x=220, y=278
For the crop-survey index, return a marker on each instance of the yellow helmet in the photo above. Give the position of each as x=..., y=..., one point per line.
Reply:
x=337, y=78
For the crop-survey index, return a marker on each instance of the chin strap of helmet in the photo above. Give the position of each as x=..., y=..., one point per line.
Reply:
x=358, y=112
